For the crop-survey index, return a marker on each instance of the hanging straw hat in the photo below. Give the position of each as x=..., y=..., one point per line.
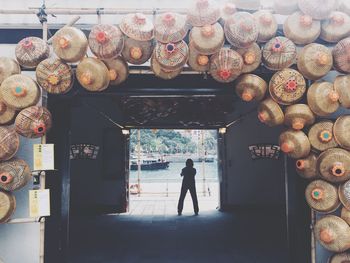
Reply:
x=270, y=113
x=33, y=122
x=251, y=57
x=208, y=39
x=314, y=61
x=171, y=56
x=333, y=233
x=118, y=70
x=30, y=51
x=7, y=115
x=306, y=167
x=162, y=73
x=14, y=174
x=295, y=144
x=336, y=27
x=334, y=165
x=267, y=25
x=321, y=136
x=137, y=26
x=241, y=30
x=341, y=132
x=342, y=86
x=341, y=56
x=226, y=65
x=93, y=74
x=298, y=116
x=19, y=92
x=344, y=195
x=250, y=87
x=170, y=27
x=197, y=61
x=203, y=12
x=227, y=10
x=287, y=86
x=9, y=143
x=106, y=41
x=8, y=67
x=7, y=206
x=316, y=9
x=322, y=196
x=279, y=53
x=70, y=44
x=301, y=28
x=323, y=100
x=339, y=258
x=137, y=52
x=55, y=76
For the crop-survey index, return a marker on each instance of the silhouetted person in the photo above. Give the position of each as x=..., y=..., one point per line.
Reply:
x=188, y=183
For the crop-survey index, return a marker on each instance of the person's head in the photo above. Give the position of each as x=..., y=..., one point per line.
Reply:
x=189, y=163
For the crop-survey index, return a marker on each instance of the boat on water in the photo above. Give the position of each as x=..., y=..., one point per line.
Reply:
x=149, y=164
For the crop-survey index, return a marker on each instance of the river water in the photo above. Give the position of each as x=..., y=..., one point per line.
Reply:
x=172, y=174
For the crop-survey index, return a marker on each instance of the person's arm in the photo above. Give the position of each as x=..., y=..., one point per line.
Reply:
x=194, y=172
x=182, y=172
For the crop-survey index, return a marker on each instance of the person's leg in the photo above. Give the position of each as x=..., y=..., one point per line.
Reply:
x=182, y=198
x=194, y=198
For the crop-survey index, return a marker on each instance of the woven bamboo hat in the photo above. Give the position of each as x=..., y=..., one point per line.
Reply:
x=198, y=62
x=322, y=196
x=208, y=39
x=339, y=258
x=306, y=167
x=334, y=165
x=270, y=113
x=279, y=53
x=267, y=25
x=341, y=56
x=241, y=30
x=251, y=57
x=137, y=26
x=7, y=206
x=341, y=130
x=8, y=67
x=33, y=122
x=345, y=215
x=7, y=115
x=344, y=195
x=336, y=27
x=315, y=61
x=30, y=51
x=19, y=91
x=287, y=86
x=301, y=28
x=106, y=41
x=118, y=70
x=170, y=27
x=321, y=136
x=70, y=44
x=333, y=233
x=322, y=99
x=317, y=9
x=9, y=143
x=55, y=76
x=226, y=65
x=250, y=87
x=342, y=86
x=203, y=12
x=171, y=56
x=227, y=10
x=93, y=74
x=14, y=174
x=162, y=73
x=298, y=116
x=295, y=144
x=137, y=52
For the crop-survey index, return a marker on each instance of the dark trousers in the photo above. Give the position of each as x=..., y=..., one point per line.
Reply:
x=192, y=187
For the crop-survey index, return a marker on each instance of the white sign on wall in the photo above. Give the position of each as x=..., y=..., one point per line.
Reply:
x=43, y=157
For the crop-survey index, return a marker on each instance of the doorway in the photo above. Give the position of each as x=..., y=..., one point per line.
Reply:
x=157, y=157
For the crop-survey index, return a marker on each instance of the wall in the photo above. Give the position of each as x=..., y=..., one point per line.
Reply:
x=97, y=185
x=252, y=182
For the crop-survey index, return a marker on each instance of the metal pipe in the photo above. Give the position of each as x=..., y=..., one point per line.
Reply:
x=313, y=240
x=23, y=220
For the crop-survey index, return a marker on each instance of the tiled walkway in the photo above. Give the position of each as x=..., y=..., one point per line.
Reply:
x=153, y=233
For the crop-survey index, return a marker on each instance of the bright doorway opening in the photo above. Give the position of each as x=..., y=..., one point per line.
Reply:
x=157, y=157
